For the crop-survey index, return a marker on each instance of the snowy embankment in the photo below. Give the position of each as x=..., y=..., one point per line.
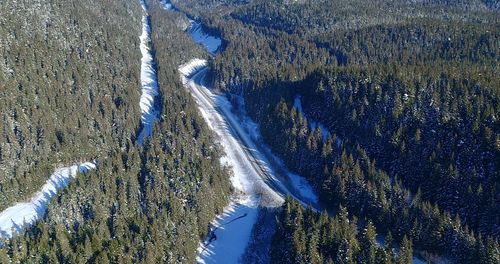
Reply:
x=299, y=187
x=149, y=80
x=254, y=179
x=250, y=190
x=15, y=218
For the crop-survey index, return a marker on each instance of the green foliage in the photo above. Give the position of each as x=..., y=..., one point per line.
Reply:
x=143, y=204
x=409, y=92
x=303, y=236
x=68, y=82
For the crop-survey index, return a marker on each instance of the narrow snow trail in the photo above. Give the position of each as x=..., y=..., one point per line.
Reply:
x=15, y=218
x=149, y=79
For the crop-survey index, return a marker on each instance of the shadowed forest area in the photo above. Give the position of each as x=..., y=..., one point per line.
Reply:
x=149, y=203
x=397, y=131
x=409, y=94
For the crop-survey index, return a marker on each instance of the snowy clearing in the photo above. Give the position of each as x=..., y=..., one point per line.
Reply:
x=211, y=43
x=149, y=80
x=15, y=218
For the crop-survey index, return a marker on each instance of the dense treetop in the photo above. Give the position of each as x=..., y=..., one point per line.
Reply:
x=409, y=93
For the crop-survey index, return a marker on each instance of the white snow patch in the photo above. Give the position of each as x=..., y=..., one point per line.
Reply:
x=143, y=5
x=166, y=4
x=149, y=81
x=15, y=218
x=303, y=186
x=211, y=43
x=297, y=103
x=297, y=182
x=232, y=236
x=188, y=69
x=253, y=177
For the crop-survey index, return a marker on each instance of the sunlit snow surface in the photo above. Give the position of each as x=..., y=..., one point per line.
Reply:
x=232, y=236
x=20, y=215
x=166, y=4
x=149, y=80
x=211, y=43
x=253, y=178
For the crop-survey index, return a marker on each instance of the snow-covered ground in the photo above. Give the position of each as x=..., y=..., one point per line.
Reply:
x=233, y=229
x=166, y=4
x=211, y=43
x=250, y=188
x=218, y=112
x=21, y=215
x=254, y=178
x=299, y=185
x=149, y=80
x=252, y=161
x=187, y=70
x=297, y=103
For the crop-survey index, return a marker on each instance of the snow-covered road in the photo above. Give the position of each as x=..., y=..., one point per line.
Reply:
x=210, y=43
x=259, y=177
x=256, y=179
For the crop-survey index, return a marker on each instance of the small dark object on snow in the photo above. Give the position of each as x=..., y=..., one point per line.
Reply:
x=213, y=237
